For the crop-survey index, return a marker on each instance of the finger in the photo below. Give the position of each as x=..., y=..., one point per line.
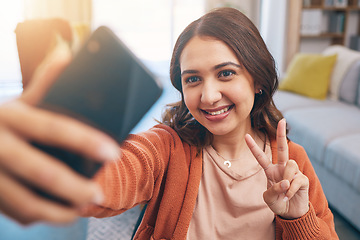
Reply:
x=282, y=147
x=276, y=192
x=59, y=130
x=299, y=183
x=44, y=172
x=257, y=152
x=34, y=208
x=290, y=170
x=45, y=75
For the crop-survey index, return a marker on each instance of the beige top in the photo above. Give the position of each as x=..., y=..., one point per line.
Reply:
x=230, y=201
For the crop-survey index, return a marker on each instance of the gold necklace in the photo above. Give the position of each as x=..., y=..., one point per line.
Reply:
x=227, y=162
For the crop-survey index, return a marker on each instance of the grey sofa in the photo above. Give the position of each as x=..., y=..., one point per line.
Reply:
x=329, y=130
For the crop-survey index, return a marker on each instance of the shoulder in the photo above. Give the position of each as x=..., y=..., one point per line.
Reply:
x=160, y=132
x=296, y=150
x=160, y=136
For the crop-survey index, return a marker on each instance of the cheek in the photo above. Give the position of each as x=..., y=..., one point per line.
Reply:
x=190, y=100
x=241, y=96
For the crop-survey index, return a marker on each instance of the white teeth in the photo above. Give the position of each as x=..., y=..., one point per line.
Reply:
x=219, y=112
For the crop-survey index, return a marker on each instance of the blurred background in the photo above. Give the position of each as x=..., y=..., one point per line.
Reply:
x=150, y=29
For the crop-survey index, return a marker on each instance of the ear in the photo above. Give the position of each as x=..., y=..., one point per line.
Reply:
x=258, y=89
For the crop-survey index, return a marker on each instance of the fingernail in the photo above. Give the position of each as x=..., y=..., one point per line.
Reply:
x=109, y=152
x=98, y=195
x=285, y=199
x=284, y=185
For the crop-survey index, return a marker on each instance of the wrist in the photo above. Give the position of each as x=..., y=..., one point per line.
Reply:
x=300, y=212
x=305, y=227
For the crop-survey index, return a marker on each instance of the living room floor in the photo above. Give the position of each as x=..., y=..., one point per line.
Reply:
x=344, y=229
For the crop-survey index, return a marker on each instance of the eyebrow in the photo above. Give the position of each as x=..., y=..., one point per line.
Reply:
x=226, y=64
x=221, y=65
x=189, y=72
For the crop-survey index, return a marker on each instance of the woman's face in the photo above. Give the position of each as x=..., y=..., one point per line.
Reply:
x=218, y=91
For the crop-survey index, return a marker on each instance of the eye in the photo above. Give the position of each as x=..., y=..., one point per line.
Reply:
x=192, y=79
x=226, y=73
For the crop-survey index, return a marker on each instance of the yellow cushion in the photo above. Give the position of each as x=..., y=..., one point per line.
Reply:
x=309, y=75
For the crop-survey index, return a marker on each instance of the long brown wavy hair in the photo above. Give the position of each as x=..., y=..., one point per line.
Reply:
x=240, y=34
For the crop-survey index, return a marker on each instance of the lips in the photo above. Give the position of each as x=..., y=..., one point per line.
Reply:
x=218, y=113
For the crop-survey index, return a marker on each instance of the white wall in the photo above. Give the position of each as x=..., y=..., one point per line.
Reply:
x=9, y=59
x=273, y=29
x=250, y=8
x=149, y=28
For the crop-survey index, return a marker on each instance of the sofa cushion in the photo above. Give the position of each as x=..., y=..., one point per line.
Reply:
x=309, y=75
x=348, y=89
x=285, y=101
x=315, y=127
x=345, y=58
x=343, y=159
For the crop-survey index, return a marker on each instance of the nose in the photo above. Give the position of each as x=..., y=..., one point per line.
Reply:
x=211, y=93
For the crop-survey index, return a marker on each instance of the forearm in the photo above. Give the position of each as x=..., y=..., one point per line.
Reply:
x=131, y=180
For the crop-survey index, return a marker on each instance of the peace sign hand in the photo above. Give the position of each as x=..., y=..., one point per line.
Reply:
x=288, y=188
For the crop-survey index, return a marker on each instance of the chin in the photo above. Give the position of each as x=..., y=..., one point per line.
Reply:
x=218, y=131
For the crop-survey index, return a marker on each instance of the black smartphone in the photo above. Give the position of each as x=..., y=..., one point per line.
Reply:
x=105, y=86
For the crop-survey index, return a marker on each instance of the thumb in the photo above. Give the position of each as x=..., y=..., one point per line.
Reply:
x=276, y=192
x=47, y=72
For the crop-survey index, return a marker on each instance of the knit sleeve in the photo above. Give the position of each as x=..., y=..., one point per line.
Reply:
x=132, y=179
x=318, y=223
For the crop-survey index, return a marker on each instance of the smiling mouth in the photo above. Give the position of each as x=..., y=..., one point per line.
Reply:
x=224, y=110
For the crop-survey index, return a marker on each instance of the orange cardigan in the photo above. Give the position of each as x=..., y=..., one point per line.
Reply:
x=159, y=169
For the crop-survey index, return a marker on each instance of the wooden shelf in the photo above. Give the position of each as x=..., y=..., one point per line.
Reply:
x=353, y=8
x=340, y=9
x=324, y=35
x=339, y=36
x=328, y=8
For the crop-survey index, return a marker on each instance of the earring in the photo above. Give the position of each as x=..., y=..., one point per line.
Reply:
x=260, y=92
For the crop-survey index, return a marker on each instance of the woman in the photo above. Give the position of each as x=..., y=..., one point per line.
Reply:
x=204, y=170
x=220, y=165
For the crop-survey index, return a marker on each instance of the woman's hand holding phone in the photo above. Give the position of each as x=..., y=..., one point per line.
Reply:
x=23, y=165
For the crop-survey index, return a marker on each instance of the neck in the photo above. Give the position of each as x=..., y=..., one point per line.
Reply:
x=234, y=147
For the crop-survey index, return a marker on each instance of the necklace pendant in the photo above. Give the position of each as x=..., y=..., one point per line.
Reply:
x=228, y=163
